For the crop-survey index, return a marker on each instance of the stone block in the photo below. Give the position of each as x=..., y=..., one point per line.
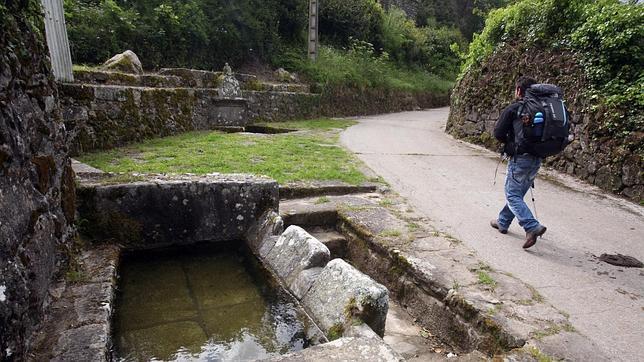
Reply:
x=345, y=349
x=341, y=294
x=269, y=224
x=176, y=210
x=295, y=251
x=304, y=281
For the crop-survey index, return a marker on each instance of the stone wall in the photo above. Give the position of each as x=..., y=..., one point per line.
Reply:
x=479, y=97
x=162, y=211
x=36, y=179
x=107, y=116
x=103, y=110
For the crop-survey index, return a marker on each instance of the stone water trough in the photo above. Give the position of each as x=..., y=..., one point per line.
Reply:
x=200, y=267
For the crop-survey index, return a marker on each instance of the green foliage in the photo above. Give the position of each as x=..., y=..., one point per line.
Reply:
x=607, y=36
x=428, y=47
x=466, y=15
x=194, y=33
x=611, y=41
x=360, y=67
x=342, y=20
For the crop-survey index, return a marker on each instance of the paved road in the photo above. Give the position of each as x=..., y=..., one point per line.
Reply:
x=451, y=182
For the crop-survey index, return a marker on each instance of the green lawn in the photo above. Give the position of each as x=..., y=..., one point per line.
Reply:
x=310, y=155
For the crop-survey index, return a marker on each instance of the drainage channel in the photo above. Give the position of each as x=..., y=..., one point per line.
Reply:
x=402, y=332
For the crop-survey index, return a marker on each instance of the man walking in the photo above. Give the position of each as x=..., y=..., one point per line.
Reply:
x=522, y=170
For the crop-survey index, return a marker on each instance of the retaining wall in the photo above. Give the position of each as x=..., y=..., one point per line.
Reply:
x=36, y=179
x=107, y=109
x=480, y=96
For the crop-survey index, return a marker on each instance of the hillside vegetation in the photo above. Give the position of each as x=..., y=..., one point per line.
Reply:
x=605, y=36
x=363, y=44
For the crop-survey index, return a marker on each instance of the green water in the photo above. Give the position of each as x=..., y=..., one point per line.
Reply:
x=203, y=304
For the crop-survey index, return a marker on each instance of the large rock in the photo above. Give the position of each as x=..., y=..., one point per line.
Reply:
x=341, y=294
x=126, y=62
x=296, y=251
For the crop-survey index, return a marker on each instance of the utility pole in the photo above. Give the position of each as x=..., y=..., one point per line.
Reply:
x=314, y=7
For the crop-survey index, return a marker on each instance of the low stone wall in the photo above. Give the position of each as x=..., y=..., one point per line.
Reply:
x=162, y=211
x=280, y=106
x=479, y=97
x=107, y=116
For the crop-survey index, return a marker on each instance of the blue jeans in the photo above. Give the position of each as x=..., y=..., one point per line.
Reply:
x=522, y=170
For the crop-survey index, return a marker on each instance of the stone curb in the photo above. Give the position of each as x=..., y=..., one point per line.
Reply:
x=334, y=293
x=302, y=190
x=78, y=321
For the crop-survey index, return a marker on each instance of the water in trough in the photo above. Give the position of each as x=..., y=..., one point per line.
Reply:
x=204, y=304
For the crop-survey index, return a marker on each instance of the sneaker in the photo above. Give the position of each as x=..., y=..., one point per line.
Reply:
x=531, y=236
x=495, y=224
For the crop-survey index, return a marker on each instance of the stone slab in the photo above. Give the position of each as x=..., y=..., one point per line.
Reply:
x=341, y=293
x=295, y=251
x=77, y=323
x=359, y=349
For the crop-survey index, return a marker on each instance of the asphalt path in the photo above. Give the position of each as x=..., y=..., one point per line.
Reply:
x=452, y=183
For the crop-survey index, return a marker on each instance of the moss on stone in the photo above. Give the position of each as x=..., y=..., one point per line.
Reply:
x=335, y=332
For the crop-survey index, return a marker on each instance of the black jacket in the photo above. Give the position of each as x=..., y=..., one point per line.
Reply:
x=504, y=128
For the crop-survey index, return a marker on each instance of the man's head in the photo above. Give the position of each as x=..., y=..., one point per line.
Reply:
x=523, y=83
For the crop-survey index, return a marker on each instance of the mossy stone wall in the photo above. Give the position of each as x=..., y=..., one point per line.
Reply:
x=37, y=192
x=480, y=96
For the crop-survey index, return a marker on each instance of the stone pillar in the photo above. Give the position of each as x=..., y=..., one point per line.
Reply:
x=314, y=7
x=56, y=33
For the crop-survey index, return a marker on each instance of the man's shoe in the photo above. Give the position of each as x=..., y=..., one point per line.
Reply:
x=495, y=224
x=531, y=237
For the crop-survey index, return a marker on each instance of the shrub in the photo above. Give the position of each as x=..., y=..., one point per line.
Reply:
x=427, y=47
x=607, y=37
x=361, y=67
x=357, y=19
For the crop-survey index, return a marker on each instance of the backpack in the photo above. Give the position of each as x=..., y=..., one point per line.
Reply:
x=542, y=127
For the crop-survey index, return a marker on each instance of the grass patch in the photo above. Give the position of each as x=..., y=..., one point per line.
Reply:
x=390, y=233
x=412, y=226
x=486, y=279
x=284, y=157
x=322, y=200
x=312, y=124
x=538, y=355
x=359, y=67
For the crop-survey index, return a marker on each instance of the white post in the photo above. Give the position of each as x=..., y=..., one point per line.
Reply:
x=314, y=8
x=56, y=34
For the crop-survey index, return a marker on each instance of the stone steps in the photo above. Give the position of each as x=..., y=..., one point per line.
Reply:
x=332, y=239
x=181, y=78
